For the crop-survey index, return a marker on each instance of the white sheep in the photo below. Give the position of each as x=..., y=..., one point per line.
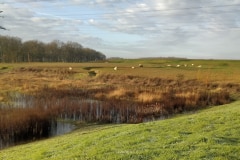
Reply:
x=115, y=68
x=70, y=68
x=133, y=67
x=199, y=66
x=178, y=65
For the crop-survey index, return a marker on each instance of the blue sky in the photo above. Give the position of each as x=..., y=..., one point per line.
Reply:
x=208, y=29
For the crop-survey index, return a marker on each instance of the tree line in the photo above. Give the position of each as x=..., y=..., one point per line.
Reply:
x=12, y=50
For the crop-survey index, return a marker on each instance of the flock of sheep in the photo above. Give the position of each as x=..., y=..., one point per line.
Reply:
x=185, y=65
x=116, y=68
x=169, y=65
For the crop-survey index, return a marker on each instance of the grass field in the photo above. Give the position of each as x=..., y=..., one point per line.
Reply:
x=215, y=70
x=209, y=134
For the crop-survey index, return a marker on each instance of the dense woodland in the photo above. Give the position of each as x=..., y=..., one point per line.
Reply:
x=12, y=49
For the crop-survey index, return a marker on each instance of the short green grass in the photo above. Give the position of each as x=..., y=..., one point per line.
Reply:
x=213, y=133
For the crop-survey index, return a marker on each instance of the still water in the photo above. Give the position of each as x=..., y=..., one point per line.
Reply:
x=61, y=128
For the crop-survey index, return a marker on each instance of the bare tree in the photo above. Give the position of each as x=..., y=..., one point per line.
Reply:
x=1, y=26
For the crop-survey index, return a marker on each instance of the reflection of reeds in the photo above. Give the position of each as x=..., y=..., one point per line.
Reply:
x=21, y=124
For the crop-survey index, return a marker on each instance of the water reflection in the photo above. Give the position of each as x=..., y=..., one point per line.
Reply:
x=59, y=128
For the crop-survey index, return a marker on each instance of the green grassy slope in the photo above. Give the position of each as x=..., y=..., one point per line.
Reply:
x=209, y=134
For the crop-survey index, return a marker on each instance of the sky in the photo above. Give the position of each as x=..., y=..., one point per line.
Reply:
x=195, y=29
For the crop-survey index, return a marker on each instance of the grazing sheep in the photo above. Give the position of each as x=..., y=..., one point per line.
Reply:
x=140, y=65
x=178, y=65
x=169, y=65
x=115, y=68
x=199, y=66
x=133, y=67
x=70, y=68
x=192, y=64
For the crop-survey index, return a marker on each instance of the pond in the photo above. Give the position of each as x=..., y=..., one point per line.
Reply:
x=34, y=117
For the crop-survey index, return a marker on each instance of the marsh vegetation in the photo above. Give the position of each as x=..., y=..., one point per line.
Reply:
x=34, y=96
